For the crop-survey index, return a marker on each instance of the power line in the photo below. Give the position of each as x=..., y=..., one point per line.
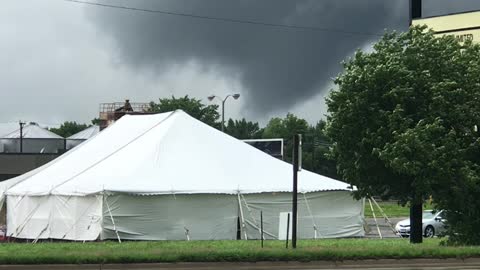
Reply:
x=290, y=26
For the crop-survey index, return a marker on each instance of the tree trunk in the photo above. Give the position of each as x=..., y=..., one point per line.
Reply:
x=416, y=231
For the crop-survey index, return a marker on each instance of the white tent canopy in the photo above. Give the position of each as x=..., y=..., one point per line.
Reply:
x=163, y=155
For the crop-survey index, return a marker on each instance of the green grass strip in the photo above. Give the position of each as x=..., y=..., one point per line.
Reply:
x=226, y=251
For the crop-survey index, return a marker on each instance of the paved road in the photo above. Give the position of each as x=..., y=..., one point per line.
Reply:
x=390, y=264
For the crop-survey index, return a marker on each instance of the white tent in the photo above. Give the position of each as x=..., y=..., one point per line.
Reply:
x=82, y=136
x=170, y=176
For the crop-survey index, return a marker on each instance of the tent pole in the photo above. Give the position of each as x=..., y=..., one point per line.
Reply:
x=242, y=217
x=385, y=216
x=311, y=215
x=250, y=212
x=113, y=221
x=375, y=218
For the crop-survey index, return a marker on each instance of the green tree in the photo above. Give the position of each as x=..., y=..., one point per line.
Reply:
x=243, y=129
x=194, y=107
x=315, y=143
x=402, y=121
x=285, y=128
x=315, y=150
x=68, y=128
x=96, y=121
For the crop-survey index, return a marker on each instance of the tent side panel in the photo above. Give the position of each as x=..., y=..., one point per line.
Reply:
x=27, y=217
x=329, y=214
x=76, y=217
x=169, y=217
x=57, y=217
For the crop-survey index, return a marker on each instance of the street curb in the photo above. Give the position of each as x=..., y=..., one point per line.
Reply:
x=451, y=263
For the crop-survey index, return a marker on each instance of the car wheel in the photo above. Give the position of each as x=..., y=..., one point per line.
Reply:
x=429, y=231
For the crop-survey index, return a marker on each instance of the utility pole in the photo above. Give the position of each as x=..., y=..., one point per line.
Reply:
x=21, y=135
x=296, y=146
x=416, y=231
x=415, y=10
x=223, y=114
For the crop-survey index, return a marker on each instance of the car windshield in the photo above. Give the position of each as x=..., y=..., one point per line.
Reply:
x=427, y=215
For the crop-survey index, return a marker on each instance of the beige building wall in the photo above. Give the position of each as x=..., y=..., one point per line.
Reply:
x=465, y=26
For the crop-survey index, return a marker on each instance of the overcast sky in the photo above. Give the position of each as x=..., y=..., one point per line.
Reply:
x=59, y=60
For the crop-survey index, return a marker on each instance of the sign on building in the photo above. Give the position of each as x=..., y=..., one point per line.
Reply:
x=464, y=26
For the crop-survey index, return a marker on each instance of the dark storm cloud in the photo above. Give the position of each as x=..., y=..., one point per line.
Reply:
x=278, y=67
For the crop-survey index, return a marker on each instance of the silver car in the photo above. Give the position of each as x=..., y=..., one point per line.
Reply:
x=433, y=223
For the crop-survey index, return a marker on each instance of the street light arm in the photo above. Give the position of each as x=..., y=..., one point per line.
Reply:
x=225, y=99
x=212, y=97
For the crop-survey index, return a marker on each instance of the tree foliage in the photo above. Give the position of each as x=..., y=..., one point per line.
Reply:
x=403, y=122
x=194, y=107
x=285, y=128
x=68, y=128
x=96, y=121
x=243, y=129
x=315, y=143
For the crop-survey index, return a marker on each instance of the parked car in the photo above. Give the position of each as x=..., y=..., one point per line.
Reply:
x=433, y=223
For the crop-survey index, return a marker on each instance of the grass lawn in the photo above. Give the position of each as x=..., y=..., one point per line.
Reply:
x=391, y=209
x=226, y=251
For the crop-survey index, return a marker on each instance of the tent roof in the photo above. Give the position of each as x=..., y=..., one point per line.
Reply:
x=86, y=133
x=163, y=154
x=6, y=128
x=32, y=131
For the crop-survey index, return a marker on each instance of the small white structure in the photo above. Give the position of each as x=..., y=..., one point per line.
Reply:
x=82, y=136
x=35, y=139
x=170, y=177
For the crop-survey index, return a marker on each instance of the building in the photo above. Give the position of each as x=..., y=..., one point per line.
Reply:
x=82, y=136
x=111, y=112
x=464, y=26
x=26, y=147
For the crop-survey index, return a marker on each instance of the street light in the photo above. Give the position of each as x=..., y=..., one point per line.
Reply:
x=212, y=97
